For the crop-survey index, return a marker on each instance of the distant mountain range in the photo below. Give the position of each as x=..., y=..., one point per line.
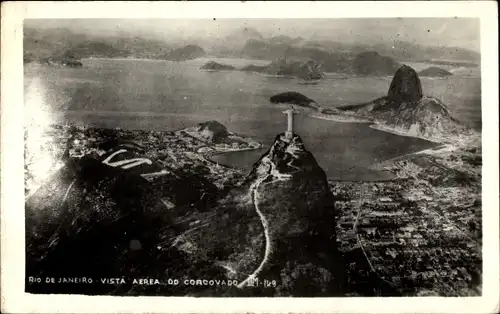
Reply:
x=40, y=44
x=43, y=44
x=251, y=43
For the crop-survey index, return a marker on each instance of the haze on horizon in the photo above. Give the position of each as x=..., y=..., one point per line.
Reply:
x=448, y=32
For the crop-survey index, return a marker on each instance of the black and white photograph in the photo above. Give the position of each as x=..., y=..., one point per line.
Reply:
x=253, y=157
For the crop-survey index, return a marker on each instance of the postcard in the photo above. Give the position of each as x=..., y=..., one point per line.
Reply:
x=250, y=157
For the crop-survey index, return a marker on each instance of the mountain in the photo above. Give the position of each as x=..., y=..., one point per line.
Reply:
x=188, y=52
x=232, y=44
x=308, y=70
x=94, y=199
x=371, y=63
x=274, y=50
x=434, y=72
x=339, y=56
x=293, y=193
x=407, y=51
x=246, y=42
x=278, y=225
x=407, y=111
x=330, y=60
x=262, y=49
x=42, y=44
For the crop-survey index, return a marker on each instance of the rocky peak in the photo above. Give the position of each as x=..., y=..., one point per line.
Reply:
x=287, y=156
x=405, y=86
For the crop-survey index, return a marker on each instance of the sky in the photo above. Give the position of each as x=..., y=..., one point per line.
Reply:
x=455, y=32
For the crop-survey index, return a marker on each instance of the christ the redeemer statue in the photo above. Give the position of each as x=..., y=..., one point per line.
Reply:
x=289, y=130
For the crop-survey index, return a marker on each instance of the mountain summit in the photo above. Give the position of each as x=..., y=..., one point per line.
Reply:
x=405, y=86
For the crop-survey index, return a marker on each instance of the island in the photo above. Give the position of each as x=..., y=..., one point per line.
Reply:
x=214, y=66
x=293, y=98
x=434, y=72
x=67, y=59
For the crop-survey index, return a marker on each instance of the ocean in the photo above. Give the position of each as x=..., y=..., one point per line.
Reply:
x=163, y=95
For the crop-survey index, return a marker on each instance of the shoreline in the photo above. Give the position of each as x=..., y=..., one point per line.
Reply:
x=208, y=155
x=337, y=118
x=427, y=151
x=128, y=59
x=383, y=128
